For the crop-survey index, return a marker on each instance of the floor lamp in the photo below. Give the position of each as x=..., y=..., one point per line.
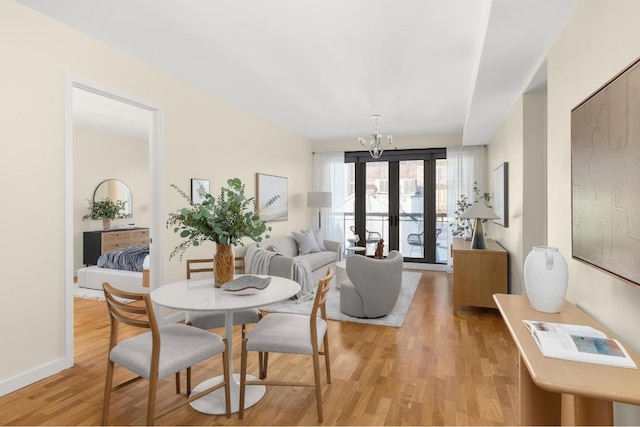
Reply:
x=478, y=211
x=319, y=199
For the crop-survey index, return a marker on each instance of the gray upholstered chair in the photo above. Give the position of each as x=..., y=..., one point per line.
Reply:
x=215, y=319
x=157, y=353
x=372, y=287
x=293, y=334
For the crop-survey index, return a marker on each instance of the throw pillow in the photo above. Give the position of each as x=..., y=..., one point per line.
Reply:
x=317, y=234
x=306, y=242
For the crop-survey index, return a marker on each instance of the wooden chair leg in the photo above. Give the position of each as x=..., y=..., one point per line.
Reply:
x=316, y=373
x=227, y=378
x=327, y=358
x=177, y=382
x=188, y=380
x=151, y=399
x=243, y=377
x=108, y=385
x=263, y=366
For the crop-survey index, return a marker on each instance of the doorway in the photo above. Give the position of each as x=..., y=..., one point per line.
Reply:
x=401, y=198
x=154, y=181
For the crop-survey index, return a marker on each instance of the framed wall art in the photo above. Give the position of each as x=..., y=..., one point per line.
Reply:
x=501, y=194
x=268, y=186
x=605, y=171
x=198, y=185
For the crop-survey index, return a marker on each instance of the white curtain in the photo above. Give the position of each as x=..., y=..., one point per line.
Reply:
x=328, y=175
x=465, y=165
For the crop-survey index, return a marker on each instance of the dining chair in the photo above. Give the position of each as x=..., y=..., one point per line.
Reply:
x=215, y=319
x=157, y=353
x=293, y=334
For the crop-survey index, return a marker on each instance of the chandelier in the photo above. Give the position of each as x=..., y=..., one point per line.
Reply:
x=375, y=146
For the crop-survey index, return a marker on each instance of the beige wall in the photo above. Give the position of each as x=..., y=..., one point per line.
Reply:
x=204, y=137
x=600, y=39
x=521, y=141
x=99, y=155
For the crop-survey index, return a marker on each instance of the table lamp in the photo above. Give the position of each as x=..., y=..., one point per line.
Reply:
x=319, y=199
x=478, y=211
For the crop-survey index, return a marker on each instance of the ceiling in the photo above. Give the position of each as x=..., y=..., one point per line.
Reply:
x=321, y=68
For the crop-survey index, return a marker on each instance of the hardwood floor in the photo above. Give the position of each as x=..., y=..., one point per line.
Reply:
x=437, y=369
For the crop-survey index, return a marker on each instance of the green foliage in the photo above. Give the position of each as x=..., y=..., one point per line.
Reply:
x=225, y=220
x=105, y=208
x=464, y=227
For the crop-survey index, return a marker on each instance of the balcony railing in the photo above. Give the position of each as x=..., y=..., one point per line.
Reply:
x=410, y=224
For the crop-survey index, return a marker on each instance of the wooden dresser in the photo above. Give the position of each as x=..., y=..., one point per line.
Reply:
x=478, y=273
x=95, y=243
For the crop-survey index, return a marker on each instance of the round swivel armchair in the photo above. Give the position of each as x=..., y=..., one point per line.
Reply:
x=373, y=286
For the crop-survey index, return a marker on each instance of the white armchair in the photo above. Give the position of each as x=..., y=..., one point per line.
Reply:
x=373, y=286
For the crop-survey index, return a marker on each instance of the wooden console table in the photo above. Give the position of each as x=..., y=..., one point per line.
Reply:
x=562, y=392
x=478, y=273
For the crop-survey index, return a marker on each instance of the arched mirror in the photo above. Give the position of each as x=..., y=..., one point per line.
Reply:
x=115, y=190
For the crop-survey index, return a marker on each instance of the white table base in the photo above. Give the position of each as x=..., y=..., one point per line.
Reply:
x=214, y=404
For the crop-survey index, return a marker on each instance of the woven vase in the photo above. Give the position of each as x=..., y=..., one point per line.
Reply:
x=223, y=264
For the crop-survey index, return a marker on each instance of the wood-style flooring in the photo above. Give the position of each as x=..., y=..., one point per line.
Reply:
x=439, y=368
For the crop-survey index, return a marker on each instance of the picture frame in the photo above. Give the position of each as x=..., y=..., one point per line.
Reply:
x=501, y=194
x=605, y=208
x=196, y=185
x=267, y=187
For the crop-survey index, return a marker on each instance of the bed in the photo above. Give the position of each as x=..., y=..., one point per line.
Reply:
x=125, y=268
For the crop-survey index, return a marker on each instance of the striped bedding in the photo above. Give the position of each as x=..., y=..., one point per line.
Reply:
x=129, y=259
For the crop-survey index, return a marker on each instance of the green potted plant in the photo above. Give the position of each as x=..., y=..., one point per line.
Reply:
x=225, y=220
x=461, y=227
x=106, y=210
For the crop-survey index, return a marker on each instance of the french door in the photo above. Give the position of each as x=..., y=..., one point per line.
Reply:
x=401, y=198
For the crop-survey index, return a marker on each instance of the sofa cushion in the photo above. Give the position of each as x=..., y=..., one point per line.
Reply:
x=306, y=242
x=317, y=234
x=319, y=259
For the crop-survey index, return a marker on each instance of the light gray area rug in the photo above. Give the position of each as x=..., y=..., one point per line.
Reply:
x=93, y=294
x=410, y=282
x=85, y=293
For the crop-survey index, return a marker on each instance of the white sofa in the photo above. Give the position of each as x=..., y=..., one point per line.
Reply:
x=287, y=246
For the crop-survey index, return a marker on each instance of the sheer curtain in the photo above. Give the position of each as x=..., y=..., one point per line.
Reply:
x=465, y=165
x=328, y=175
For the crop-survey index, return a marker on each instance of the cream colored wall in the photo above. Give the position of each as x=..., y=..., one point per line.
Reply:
x=600, y=40
x=507, y=146
x=404, y=142
x=99, y=155
x=204, y=137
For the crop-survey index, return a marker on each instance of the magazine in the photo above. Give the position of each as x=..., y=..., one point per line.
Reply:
x=578, y=343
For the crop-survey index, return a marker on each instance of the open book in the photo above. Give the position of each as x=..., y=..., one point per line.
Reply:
x=578, y=343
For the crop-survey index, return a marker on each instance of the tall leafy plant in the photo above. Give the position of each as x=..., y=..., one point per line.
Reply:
x=225, y=219
x=461, y=227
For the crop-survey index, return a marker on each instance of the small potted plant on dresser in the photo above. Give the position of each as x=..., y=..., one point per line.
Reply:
x=106, y=210
x=225, y=220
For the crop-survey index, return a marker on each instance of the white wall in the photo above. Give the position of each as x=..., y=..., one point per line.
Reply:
x=600, y=40
x=100, y=155
x=204, y=137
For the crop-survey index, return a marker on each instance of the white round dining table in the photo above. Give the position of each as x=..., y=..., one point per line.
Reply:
x=202, y=295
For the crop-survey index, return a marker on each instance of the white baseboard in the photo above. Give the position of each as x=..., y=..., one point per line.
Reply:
x=426, y=267
x=22, y=380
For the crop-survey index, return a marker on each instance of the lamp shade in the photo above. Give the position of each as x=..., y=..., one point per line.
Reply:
x=319, y=199
x=479, y=210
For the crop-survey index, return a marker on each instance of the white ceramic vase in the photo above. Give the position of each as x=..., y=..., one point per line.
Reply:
x=545, y=279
